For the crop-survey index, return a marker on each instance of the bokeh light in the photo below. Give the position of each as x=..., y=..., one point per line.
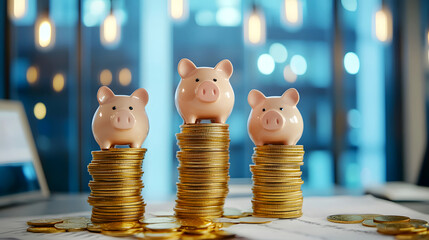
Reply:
x=351, y=63
x=39, y=110
x=58, y=82
x=105, y=77
x=266, y=64
x=278, y=52
x=32, y=74
x=289, y=75
x=125, y=77
x=349, y=5
x=298, y=64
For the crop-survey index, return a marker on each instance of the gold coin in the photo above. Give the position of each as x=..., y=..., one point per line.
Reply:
x=93, y=227
x=71, y=226
x=394, y=228
x=162, y=226
x=105, y=220
x=418, y=222
x=159, y=235
x=44, y=230
x=122, y=233
x=369, y=223
x=345, y=218
x=83, y=220
x=118, y=226
x=391, y=219
x=157, y=220
x=412, y=236
x=48, y=222
x=195, y=222
x=369, y=215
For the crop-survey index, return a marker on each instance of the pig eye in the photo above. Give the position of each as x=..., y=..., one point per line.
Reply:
x=114, y=107
x=281, y=109
x=197, y=80
x=214, y=80
x=131, y=108
x=263, y=109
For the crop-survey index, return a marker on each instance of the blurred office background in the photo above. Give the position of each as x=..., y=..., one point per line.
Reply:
x=361, y=67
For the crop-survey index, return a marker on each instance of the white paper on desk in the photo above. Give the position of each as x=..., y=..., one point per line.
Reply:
x=313, y=225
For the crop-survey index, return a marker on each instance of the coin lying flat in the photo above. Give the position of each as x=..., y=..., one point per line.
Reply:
x=93, y=227
x=391, y=219
x=48, y=222
x=345, y=218
x=123, y=233
x=394, y=228
x=369, y=223
x=71, y=226
x=162, y=226
x=117, y=226
x=44, y=230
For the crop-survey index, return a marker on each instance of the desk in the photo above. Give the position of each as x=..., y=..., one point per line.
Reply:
x=313, y=225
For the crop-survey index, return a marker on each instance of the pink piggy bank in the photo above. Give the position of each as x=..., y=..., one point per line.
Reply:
x=204, y=93
x=274, y=120
x=120, y=120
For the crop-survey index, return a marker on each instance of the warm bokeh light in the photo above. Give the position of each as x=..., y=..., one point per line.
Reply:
x=105, y=77
x=177, y=9
x=254, y=31
x=125, y=77
x=58, y=82
x=17, y=8
x=44, y=33
x=39, y=110
x=32, y=74
x=289, y=75
x=292, y=12
x=110, y=31
x=383, y=25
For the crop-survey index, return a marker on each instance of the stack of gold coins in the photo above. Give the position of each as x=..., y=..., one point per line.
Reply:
x=116, y=185
x=203, y=170
x=277, y=181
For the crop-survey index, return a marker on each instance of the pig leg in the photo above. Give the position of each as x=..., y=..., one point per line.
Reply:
x=136, y=145
x=190, y=119
x=259, y=142
x=220, y=119
x=105, y=145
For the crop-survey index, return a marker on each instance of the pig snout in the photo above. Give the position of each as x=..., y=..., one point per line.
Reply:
x=272, y=120
x=208, y=92
x=123, y=120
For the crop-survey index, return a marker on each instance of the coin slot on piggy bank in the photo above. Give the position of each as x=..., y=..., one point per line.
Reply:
x=204, y=93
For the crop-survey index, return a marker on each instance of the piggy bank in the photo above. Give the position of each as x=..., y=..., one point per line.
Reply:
x=204, y=93
x=120, y=120
x=274, y=120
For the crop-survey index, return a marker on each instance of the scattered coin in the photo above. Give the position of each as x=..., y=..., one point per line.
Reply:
x=49, y=222
x=345, y=218
x=391, y=219
x=162, y=226
x=71, y=226
x=44, y=230
x=369, y=223
x=118, y=226
x=394, y=228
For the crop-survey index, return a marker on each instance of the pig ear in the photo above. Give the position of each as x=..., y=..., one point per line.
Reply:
x=225, y=66
x=255, y=97
x=142, y=95
x=104, y=94
x=185, y=67
x=291, y=96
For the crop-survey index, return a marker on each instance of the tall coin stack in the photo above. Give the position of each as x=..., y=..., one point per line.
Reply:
x=203, y=170
x=116, y=185
x=277, y=181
